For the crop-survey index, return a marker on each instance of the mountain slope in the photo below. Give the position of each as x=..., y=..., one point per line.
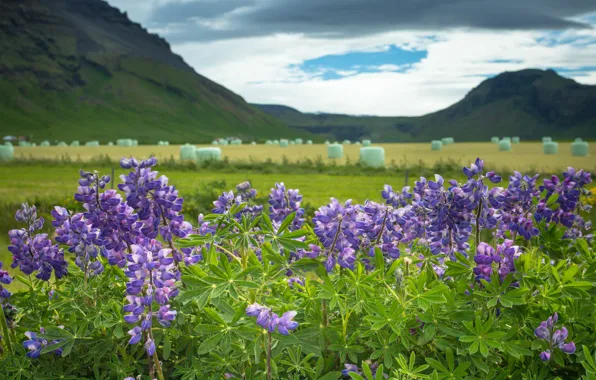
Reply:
x=528, y=103
x=80, y=69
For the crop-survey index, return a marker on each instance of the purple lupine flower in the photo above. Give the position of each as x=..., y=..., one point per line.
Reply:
x=504, y=256
x=295, y=280
x=4, y=279
x=555, y=338
x=152, y=277
x=396, y=199
x=350, y=368
x=35, y=253
x=284, y=202
x=227, y=200
x=271, y=321
x=35, y=344
x=516, y=204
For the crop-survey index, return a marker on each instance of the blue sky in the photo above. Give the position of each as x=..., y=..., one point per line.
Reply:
x=378, y=57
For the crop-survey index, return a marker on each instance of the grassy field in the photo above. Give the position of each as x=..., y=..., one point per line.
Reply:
x=527, y=157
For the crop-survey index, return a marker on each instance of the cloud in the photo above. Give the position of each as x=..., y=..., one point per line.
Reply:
x=352, y=18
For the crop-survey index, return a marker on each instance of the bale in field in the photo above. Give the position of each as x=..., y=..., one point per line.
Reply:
x=166, y=143
x=308, y=142
x=236, y=142
x=578, y=139
x=346, y=142
x=298, y=141
x=188, y=152
x=357, y=143
x=448, y=140
x=366, y=142
x=506, y=139
x=327, y=142
x=436, y=145
x=75, y=143
x=292, y=142
x=214, y=142
x=546, y=139
x=208, y=154
x=335, y=151
x=580, y=148
x=223, y=142
x=550, y=147
x=6, y=152
x=505, y=146
x=92, y=143
x=494, y=140
x=135, y=143
x=275, y=142
x=373, y=156
x=110, y=143
x=268, y=142
x=283, y=143
x=62, y=144
x=253, y=143
x=44, y=143
x=515, y=139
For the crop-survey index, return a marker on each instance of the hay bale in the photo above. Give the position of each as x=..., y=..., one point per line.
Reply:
x=580, y=149
x=124, y=142
x=292, y=142
x=335, y=151
x=44, y=143
x=24, y=144
x=448, y=140
x=224, y=142
x=357, y=143
x=110, y=143
x=188, y=152
x=214, y=142
x=268, y=142
x=505, y=146
x=34, y=145
x=236, y=142
x=578, y=139
x=275, y=142
x=515, y=140
x=253, y=143
x=506, y=139
x=92, y=143
x=494, y=140
x=547, y=139
x=75, y=143
x=284, y=143
x=327, y=142
x=308, y=142
x=62, y=144
x=373, y=156
x=436, y=145
x=166, y=143
x=135, y=142
x=346, y=142
x=550, y=147
x=208, y=154
x=6, y=152
x=366, y=142
x=298, y=141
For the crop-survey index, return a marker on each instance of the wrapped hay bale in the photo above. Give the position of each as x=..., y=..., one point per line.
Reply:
x=208, y=154
x=292, y=142
x=268, y=142
x=44, y=143
x=283, y=143
x=214, y=142
x=546, y=139
x=515, y=139
x=298, y=141
x=506, y=139
x=436, y=145
x=124, y=142
x=135, y=142
x=550, y=147
x=366, y=142
x=308, y=142
x=62, y=143
x=580, y=148
x=578, y=139
x=494, y=140
x=253, y=143
x=34, y=144
x=188, y=152
x=327, y=142
x=224, y=142
x=24, y=144
x=166, y=143
x=335, y=151
x=346, y=142
x=505, y=146
x=373, y=156
x=110, y=143
x=448, y=140
x=6, y=152
x=92, y=143
x=236, y=142
x=275, y=142
x=357, y=143
x=75, y=143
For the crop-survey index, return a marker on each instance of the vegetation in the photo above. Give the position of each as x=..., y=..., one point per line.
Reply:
x=379, y=290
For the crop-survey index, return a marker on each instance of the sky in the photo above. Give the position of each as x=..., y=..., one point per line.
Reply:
x=371, y=57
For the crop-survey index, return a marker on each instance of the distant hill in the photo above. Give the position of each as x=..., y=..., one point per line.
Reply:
x=80, y=69
x=528, y=103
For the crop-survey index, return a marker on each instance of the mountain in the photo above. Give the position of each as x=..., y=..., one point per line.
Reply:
x=80, y=69
x=528, y=103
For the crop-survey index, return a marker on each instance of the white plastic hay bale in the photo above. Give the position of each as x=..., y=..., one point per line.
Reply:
x=253, y=143
x=335, y=151
x=366, y=142
x=448, y=140
x=347, y=142
x=34, y=144
x=62, y=144
x=580, y=148
x=214, y=142
x=275, y=142
x=166, y=143
x=135, y=143
x=24, y=144
x=6, y=152
x=75, y=143
x=268, y=142
x=44, y=143
x=188, y=152
x=505, y=146
x=327, y=142
x=126, y=142
x=92, y=143
x=547, y=139
x=515, y=139
x=550, y=147
x=506, y=139
x=283, y=143
x=436, y=145
x=224, y=142
x=578, y=139
x=357, y=143
x=308, y=142
x=494, y=140
x=292, y=142
x=373, y=156
x=298, y=141
x=208, y=154
x=110, y=143
x=236, y=142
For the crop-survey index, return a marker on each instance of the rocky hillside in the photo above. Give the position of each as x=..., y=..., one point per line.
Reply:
x=80, y=69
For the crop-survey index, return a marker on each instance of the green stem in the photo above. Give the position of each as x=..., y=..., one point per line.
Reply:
x=269, y=373
x=5, y=330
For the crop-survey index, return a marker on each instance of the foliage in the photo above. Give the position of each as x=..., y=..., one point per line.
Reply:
x=428, y=285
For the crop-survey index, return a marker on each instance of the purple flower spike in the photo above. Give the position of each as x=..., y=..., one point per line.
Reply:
x=545, y=355
x=555, y=339
x=271, y=321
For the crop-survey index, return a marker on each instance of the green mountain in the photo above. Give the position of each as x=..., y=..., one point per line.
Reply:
x=80, y=69
x=528, y=103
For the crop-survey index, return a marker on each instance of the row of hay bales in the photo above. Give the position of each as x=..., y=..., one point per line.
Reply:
x=512, y=140
x=579, y=148
x=371, y=156
x=163, y=143
x=190, y=152
x=127, y=142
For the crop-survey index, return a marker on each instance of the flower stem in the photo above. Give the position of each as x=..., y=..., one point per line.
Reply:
x=5, y=330
x=478, y=211
x=269, y=373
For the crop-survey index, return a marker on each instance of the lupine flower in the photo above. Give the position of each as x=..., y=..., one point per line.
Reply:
x=35, y=344
x=4, y=279
x=284, y=202
x=35, y=253
x=295, y=280
x=271, y=321
x=555, y=339
x=504, y=256
x=227, y=200
x=152, y=277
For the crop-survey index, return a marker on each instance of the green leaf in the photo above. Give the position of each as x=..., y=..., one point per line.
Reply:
x=287, y=221
x=210, y=343
x=167, y=347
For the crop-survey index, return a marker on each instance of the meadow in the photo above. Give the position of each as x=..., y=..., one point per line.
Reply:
x=527, y=156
